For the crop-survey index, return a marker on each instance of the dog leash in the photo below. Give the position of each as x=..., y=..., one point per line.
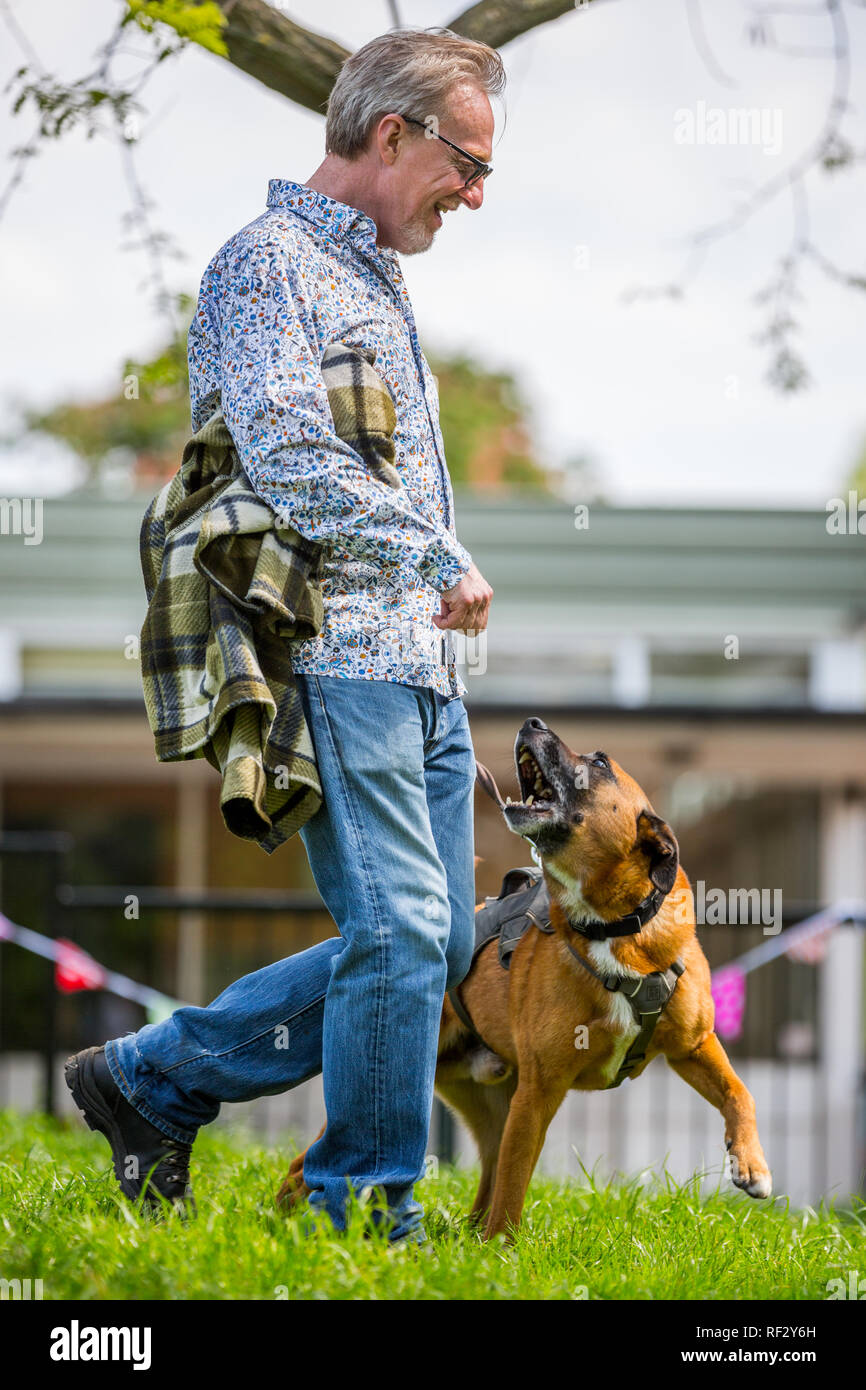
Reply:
x=488, y=782
x=485, y=777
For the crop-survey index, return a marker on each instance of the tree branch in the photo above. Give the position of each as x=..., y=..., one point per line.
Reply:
x=296, y=62
x=497, y=22
x=303, y=65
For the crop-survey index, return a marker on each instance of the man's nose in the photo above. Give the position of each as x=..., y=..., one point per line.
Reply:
x=473, y=197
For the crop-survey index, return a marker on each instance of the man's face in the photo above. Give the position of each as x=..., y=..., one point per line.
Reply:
x=423, y=178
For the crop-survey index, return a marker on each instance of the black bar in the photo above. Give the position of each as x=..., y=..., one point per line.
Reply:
x=49, y=1042
x=446, y=1136
x=35, y=842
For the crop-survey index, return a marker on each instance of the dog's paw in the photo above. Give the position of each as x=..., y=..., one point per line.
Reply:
x=751, y=1176
x=293, y=1192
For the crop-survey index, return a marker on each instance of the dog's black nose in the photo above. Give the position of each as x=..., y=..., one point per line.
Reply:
x=535, y=723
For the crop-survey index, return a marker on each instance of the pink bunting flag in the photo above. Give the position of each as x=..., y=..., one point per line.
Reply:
x=74, y=969
x=729, y=997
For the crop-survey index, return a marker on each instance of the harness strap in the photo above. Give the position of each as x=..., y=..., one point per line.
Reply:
x=463, y=1014
x=650, y=995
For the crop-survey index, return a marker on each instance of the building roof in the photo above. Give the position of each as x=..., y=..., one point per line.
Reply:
x=627, y=606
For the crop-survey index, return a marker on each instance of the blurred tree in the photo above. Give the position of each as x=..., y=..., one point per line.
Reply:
x=857, y=480
x=486, y=430
x=483, y=416
x=145, y=442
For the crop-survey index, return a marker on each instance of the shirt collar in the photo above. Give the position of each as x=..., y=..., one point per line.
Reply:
x=340, y=219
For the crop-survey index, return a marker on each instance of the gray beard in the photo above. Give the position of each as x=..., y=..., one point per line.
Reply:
x=416, y=237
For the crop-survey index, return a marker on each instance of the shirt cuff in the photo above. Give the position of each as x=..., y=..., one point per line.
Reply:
x=443, y=563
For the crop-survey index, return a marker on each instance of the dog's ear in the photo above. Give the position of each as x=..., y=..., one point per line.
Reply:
x=656, y=840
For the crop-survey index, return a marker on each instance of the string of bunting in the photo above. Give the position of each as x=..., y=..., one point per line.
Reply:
x=806, y=943
x=76, y=970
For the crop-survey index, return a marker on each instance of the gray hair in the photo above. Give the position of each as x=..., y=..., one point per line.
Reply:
x=405, y=70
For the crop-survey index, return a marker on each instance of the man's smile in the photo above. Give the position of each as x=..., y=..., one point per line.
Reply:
x=440, y=208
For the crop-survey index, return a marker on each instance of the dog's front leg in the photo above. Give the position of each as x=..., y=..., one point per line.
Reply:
x=708, y=1069
x=532, y=1108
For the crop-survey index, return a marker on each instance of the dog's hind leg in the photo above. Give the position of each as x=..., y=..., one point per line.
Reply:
x=707, y=1069
x=484, y=1111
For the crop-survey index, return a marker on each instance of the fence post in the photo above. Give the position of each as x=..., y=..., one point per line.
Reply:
x=843, y=876
x=49, y=1040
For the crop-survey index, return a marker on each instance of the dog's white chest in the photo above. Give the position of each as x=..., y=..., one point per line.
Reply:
x=620, y=1017
x=620, y=1020
x=605, y=962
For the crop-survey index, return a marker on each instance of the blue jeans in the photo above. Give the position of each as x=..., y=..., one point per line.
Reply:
x=392, y=852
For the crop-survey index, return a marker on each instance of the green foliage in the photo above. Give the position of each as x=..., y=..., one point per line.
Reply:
x=61, y=107
x=483, y=419
x=64, y=106
x=857, y=480
x=198, y=23
x=63, y=1220
x=484, y=423
x=146, y=420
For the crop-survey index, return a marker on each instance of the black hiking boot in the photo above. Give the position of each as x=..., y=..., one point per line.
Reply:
x=145, y=1159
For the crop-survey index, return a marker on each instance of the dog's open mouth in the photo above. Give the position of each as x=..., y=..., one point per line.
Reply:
x=540, y=815
x=534, y=788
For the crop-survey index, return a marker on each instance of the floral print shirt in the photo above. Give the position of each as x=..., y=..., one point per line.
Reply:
x=304, y=274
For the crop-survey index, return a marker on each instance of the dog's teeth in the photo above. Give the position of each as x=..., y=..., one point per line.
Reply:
x=529, y=800
x=508, y=800
x=524, y=755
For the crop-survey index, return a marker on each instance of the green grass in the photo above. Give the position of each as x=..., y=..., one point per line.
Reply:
x=63, y=1220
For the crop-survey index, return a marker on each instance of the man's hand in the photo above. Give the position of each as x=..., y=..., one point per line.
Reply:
x=465, y=607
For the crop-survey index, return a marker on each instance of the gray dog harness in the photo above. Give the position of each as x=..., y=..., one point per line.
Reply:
x=648, y=995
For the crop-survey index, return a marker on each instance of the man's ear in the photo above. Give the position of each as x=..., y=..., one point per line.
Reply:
x=656, y=840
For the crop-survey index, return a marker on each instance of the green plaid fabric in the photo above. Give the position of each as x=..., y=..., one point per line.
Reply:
x=228, y=588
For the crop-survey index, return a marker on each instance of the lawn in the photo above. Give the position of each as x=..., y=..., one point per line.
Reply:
x=62, y=1220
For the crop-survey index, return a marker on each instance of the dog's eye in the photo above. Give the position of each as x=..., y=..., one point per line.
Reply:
x=599, y=760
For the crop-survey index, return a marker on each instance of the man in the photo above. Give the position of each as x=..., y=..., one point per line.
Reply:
x=409, y=133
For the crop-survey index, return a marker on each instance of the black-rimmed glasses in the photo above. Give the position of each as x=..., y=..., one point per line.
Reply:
x=480, y=171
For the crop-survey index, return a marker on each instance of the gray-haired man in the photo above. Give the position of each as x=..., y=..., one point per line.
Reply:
x=408, y=138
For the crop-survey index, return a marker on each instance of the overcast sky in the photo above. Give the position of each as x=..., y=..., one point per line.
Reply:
x=593, y=194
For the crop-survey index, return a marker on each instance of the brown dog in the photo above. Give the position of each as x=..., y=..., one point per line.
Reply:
x=549, y=1024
